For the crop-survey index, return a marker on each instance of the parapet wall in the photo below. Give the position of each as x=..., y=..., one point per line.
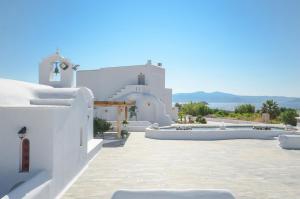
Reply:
x=174, y=134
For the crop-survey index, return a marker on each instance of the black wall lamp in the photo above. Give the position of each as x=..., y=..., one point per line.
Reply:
x=22, y=132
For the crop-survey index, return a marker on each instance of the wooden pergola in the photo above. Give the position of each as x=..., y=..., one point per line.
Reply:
x=119, y=105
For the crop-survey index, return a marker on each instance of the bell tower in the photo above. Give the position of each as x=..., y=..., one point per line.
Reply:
x=57, y=71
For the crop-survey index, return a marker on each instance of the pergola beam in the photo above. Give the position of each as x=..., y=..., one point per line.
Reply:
x=114, y=103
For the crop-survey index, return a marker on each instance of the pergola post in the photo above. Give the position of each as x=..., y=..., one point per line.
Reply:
x=126, y=113
x=119, y=110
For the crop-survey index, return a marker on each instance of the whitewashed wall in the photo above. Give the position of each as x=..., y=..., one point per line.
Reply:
x=104, y=82
x=39, y=123
x=167, y=99
x=53, y=131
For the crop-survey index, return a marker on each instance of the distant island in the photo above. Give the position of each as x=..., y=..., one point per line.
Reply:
x=228, y=101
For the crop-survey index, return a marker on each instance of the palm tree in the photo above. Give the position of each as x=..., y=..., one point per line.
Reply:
x=271, y=107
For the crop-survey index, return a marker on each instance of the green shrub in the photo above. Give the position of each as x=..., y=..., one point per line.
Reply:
x=124, y=122
x=195, y=109
x=221, y=113
x=245, y=108
x=100, y=126
x=283, y=109
x=245, y=116
x=180, y=115
x=178, y=106
x=289, y=117
x=201, y=119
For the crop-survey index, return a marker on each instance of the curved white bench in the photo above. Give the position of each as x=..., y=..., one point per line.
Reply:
x=207, y=135
x=289, y=141
x=173, y=194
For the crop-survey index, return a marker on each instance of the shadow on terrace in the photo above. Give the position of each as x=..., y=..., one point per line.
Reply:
x=110, y=139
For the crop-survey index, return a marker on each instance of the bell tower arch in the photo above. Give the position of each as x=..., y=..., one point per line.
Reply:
x=57, y=71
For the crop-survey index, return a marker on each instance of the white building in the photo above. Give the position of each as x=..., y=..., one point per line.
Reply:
x=144, y=84
x=46, y=133
x=47, y=128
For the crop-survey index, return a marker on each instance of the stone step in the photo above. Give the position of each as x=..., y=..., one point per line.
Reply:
x=52, y=102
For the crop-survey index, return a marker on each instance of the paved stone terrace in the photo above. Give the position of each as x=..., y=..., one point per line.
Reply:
x=256, y=169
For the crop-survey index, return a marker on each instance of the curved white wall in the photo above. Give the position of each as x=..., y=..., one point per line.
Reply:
x=173, y=134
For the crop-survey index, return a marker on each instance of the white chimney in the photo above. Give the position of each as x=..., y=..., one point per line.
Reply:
x=149, y=62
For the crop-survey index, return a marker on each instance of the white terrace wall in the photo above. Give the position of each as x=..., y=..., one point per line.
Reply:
x=71, y=145
x=173, y=134
x=167, y=99
x=36, y=187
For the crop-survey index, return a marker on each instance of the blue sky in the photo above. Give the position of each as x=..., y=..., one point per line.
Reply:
x=248, y=47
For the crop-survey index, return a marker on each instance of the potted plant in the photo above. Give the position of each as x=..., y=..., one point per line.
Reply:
x=124, y=131
x=100, y=126
x=124, y=124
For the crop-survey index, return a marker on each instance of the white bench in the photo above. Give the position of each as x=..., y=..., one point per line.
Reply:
x=173, y=194
x=289, y=141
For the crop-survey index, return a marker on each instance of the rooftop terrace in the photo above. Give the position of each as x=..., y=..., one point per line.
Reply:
x=257, y=169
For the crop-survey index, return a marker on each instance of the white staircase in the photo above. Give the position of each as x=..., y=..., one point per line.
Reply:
x=128, y=89
x=117, y=94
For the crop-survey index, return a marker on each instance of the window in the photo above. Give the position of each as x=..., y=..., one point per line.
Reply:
x=25, y=152
x=141, y=79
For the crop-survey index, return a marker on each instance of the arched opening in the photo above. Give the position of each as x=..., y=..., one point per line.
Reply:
x=25, y=147
x=55, y=75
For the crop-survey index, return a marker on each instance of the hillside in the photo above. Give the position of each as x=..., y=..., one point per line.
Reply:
x=220, y=97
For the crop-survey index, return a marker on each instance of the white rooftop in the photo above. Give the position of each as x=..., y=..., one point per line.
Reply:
x=15, y=93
